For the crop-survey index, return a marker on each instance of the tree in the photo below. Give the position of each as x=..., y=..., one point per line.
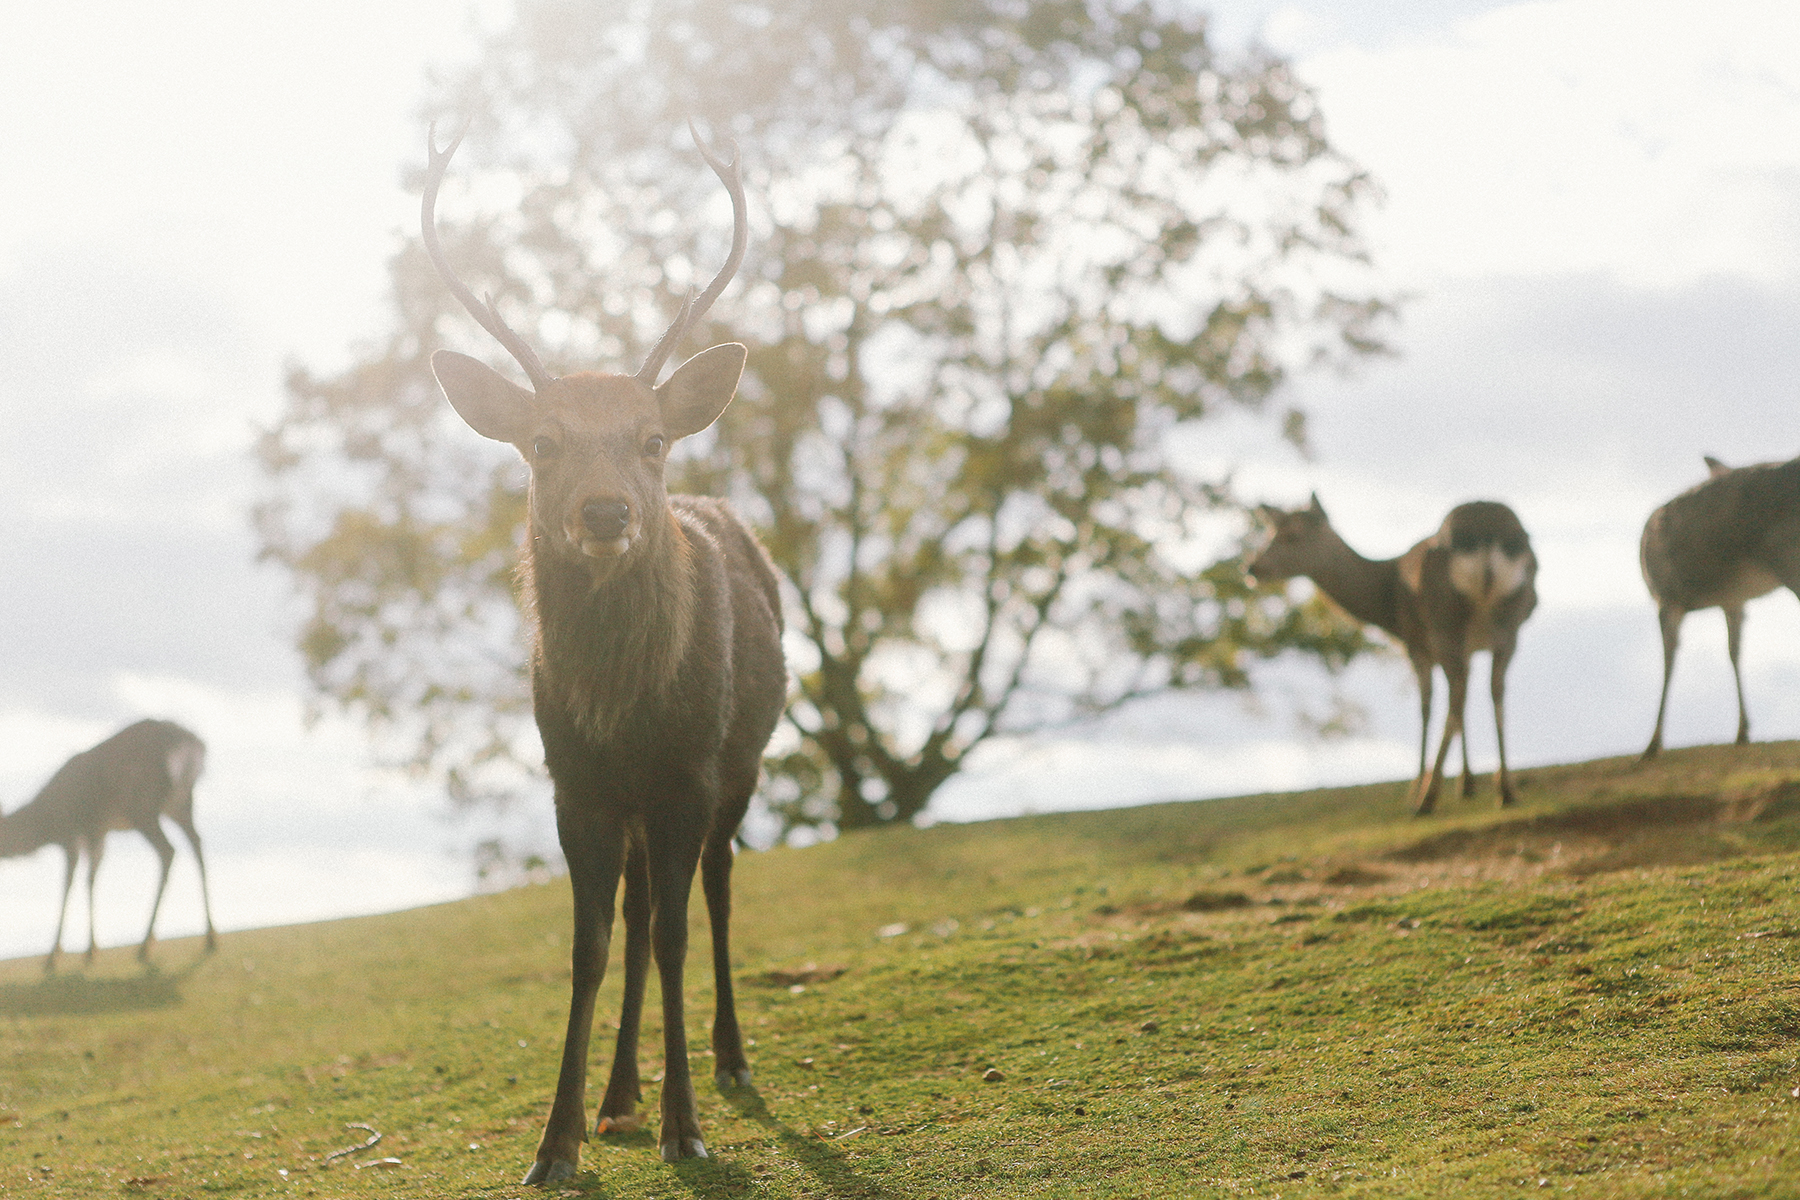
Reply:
x=1009, y=256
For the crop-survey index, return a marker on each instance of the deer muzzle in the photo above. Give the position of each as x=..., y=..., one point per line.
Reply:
x=605, y=528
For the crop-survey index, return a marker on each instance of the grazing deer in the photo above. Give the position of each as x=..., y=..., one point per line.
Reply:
x=1467, y=587
x=657, y=675
x=1720, y=545
x=132, y=780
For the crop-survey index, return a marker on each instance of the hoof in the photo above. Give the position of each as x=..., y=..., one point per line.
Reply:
x=729, y=1079
x=548, y=1171
x=685, y=1148
x=623, y=1123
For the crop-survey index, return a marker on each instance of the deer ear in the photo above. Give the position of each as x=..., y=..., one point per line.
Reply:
x=1317, y=509
x=493, y=405
x=694, y=396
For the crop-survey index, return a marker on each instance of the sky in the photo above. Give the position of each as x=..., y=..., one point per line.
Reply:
x=1592, y=207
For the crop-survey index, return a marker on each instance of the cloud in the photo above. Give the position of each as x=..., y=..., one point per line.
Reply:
x=1582, y=401
x=1657, y=142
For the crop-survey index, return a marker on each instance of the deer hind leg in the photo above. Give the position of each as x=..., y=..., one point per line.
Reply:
x=1734, y=641
x=186, y=825
x=1456, y=673
x=165, y=851
x=1422, y=670
x=1502, y=658
x=1669, y=619
x=594, y=849
x=674, y=854
x=71, y=853
x=730, y=1065
x=1468, y=776
x=96, y=851
x=618, y=1111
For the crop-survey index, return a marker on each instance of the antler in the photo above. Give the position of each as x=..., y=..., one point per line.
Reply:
x=482, y=311
x=691, y=309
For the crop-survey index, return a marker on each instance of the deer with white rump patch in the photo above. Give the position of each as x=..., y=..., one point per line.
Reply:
x=1467, y=587
x=1721, y=544
x=657, y=676
x=132, y=780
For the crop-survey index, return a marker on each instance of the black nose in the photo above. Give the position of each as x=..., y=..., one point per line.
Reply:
x=606, y=519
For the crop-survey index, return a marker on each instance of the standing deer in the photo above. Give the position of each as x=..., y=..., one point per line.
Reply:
x=1467, y=587
x=132, y=780
x=1720, y=545
x=657, y=675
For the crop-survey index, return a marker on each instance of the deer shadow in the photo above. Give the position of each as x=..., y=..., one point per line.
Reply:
x=78, y=994
x=720, y=1177
x=830, y=1168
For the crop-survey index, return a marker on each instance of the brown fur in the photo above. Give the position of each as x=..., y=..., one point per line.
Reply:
x=132, y=780
x=602, y=673
x=657, y=679
x=1467, y=587
x=1719, y=545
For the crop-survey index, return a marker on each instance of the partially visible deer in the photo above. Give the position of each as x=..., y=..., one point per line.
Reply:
x=657, y=676
x=1467, y=587
x=1721, y=544
x=132, y=780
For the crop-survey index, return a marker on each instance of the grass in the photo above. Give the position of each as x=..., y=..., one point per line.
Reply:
x=1297, y=995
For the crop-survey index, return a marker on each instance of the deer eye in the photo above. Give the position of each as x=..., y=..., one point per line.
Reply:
x=653, y=448
x=543, y=447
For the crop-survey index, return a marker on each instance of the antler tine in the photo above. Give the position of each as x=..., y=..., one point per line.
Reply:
x=483, y=311
x=693, y=309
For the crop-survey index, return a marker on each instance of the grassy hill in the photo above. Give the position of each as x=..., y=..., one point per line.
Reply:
x=1297, y=995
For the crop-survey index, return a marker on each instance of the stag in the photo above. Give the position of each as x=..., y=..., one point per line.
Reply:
x=132, y=780
x=657, y=675
x=1721, y=544
x=1467, y=587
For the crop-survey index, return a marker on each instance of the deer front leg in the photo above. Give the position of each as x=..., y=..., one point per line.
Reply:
x=618, y=1111
x=730, y=1066
x=674, y=853
x=1734, y=640
x=594, y=849
x=1497, y=684
x=1668, y=618
x=1456, y=673
x=1468, y=776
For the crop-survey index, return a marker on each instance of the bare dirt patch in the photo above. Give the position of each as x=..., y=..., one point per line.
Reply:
x=1680, y=829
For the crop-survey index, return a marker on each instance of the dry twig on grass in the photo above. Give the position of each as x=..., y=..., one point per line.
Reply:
x=374, y=1139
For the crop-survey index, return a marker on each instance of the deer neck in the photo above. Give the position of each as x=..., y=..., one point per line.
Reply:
x=1366, y=588
x=12, y=839
x=23, y=831
x=608, y=651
